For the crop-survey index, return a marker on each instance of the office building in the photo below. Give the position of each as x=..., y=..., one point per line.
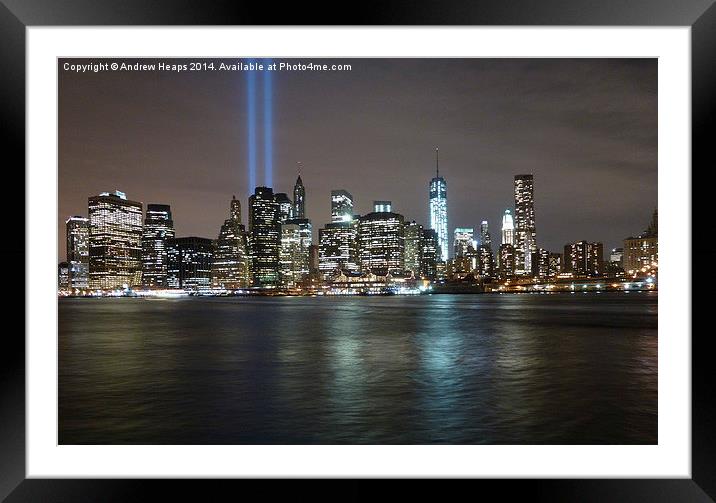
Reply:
x=525, y=233
x=508, y=229
x=555, y=264
x=486, y=262
x=464, y=238
x=77, y=230
x=313, y=262
x=506, y=261
x=338, y=248
x=115, y=241
x=265, y=238
x=431, y=255
x=296, y=240
x=616, y=256
x=641, y=253
x=540, y=263
x=158, y=227
x=438, y=209
x=299, y=199
x=63, y=276
x=231, y=264
x=485, y=238
x=189, y=263
x=583, y=259
x=285, y=207
x=341, y=206
x=413, y=247
x=381, y=240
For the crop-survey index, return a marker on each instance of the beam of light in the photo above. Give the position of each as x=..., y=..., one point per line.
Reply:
x=268, y=128
x=251, y=124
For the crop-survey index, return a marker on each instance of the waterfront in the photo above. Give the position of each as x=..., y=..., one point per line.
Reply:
x=526, y=368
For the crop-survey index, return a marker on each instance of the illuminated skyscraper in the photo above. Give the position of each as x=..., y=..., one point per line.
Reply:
x=584, y=259
x=525, y=234
x=430, y=255
x=464, y=239
x=295, y=255
x=486, y=262
x=189, y=263
x=285, y=207
x=506, y=261
x=158, y=227
x=438, y=208
x=381, y=241
x=413, y=247
x=508, y=229
x=555, y=264
x=63, y=276
x=230, y=267
x=642, y=252
x=338, y=247
x=115, y=241
x=78, y=252
x=540, y=263
x=299, y=199
x=485, y=238
x=341, y=206
x=265, y=234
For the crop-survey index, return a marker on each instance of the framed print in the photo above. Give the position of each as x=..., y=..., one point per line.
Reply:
x=321, y=251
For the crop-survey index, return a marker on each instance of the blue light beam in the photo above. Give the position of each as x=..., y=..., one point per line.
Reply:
x=268, y=128
x=251, y=124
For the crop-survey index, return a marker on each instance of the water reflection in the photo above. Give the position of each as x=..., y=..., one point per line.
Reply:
x=428, y=369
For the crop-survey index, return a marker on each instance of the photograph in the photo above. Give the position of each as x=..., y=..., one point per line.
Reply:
x=357, y=251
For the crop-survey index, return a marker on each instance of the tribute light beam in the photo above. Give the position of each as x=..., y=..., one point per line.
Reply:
x=268, y=128
x=251, y=124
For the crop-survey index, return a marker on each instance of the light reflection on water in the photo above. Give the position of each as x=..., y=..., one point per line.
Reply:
x=429, y=369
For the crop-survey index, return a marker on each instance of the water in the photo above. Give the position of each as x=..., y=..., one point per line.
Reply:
x=461, y=369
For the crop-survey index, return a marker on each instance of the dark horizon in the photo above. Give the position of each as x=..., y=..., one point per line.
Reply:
x=586, y=129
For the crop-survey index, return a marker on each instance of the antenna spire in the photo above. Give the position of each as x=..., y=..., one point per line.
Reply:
x=437, y=163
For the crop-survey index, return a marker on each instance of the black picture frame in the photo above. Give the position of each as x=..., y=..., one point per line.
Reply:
x=16, y=15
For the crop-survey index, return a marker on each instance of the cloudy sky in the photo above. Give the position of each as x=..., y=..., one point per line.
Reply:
x=586, y=129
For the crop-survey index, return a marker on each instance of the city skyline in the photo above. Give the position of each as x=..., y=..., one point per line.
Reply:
x=565, y=212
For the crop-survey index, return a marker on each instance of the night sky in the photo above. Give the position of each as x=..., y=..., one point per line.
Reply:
x=586, y=129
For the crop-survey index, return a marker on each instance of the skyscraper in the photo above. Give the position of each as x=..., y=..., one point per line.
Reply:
x=464, y=238
x=285, y=207
x=265, y=233
x=525, y=234
x=381, y=240
x=506, y=263
x=540, y=263
x=438, y=208
x=63, y=276
x=413, y=247
x=642, y=251
x=486, y=262
x=299, y=199
x=189, y=263
x=158, y=227
x=341, y=206
x=584, y=259
x=230, y=267
x=430, y=255
x=78, y=252
x=508, y=229
x=295, y=254
x=555, y=264
x=485, y=238
x=338, y=247
x=115, y=241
